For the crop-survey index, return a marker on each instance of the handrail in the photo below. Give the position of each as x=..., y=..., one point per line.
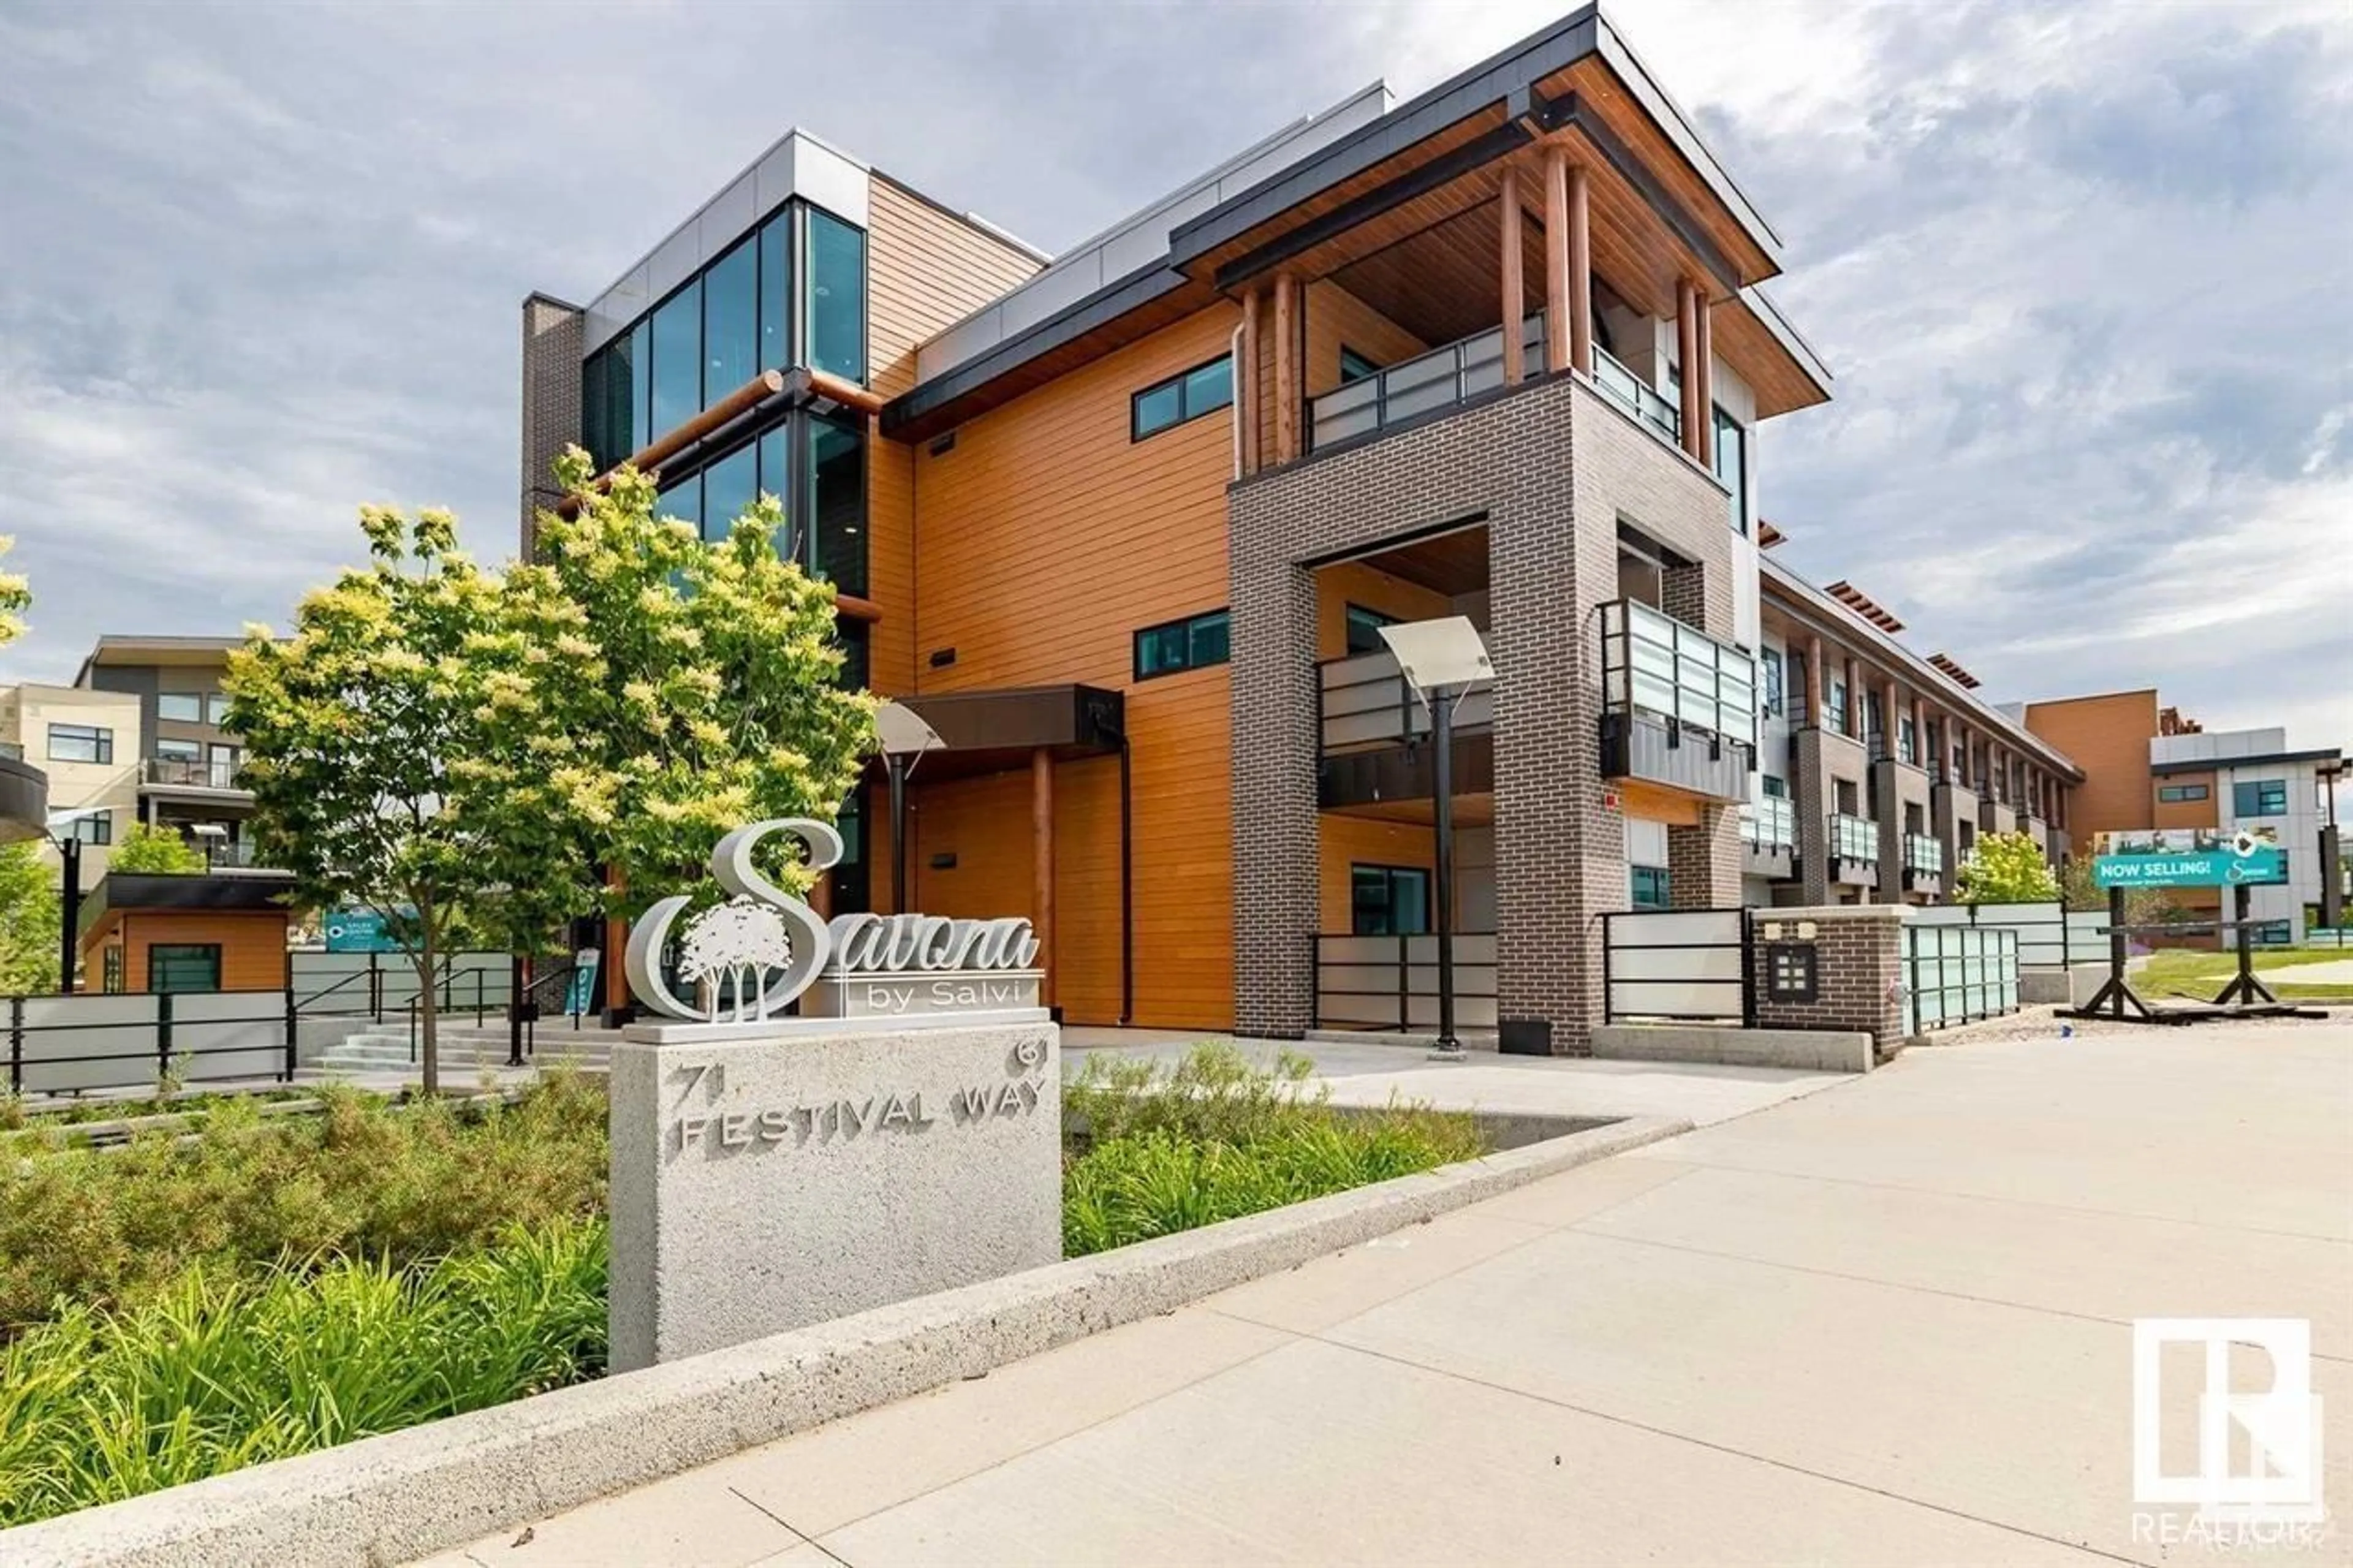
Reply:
x=1771, y=823
x=1364, y=699
x=1854, y=837
x=1653, y=663
x=1448, y=375
x=1639, y=397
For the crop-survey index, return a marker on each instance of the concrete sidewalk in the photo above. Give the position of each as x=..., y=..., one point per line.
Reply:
x=1887, y=1323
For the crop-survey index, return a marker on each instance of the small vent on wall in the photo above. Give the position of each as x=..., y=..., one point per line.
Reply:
x=943, y=862
x=943, y=445
x=942, y=658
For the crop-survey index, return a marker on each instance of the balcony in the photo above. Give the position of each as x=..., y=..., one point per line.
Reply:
x=1637, y=397
x=1426, y=385
x=188, y=772
x=1373, y=732
x=1923, y=864
x=1853, y=843
x=1679, y=708
x=1769, y=835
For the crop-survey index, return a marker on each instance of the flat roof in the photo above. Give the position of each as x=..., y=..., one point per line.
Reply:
x=122, y=648
x=2215, y=764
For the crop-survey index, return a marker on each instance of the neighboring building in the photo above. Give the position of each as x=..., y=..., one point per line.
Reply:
x=182, y=761
x=89, y=744
x=153, y=932
x=2149, y=767
x=1880, y=767
x=1125, y=527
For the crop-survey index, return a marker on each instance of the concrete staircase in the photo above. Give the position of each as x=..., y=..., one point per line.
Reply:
x=465, y=1048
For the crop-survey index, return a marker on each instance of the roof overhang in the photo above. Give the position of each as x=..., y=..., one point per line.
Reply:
x=991, y=731
x=144, y=650
x=213, y=892
x=2328, y=759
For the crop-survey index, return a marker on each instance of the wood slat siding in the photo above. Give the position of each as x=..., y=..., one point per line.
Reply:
x=926, y=271
x=253, y=946
x=1347, y=841
x=1047, y=539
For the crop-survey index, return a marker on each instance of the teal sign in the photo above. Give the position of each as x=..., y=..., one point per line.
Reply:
x=2187, y=858
x=359, y=930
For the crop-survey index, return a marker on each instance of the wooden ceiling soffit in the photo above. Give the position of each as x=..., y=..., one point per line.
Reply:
x=1782, y=384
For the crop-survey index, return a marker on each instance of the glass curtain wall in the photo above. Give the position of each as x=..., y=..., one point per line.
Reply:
x=815, y=466
x=792, y=294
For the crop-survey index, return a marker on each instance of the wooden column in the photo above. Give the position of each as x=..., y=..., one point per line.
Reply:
x=1246, y=384
x=1687, y=353
x=1580, y=269
x=1707, y=383
x=1817, y=696
x=1515, y=299
x=1559, y=343
x=616, y=942
x=1286, y=368
x=1041, y=864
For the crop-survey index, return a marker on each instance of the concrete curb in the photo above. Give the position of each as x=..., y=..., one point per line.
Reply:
x=407, y=1494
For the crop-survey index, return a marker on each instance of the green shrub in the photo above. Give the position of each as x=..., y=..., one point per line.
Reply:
x=214, y=1373
x=1214, y=1138
x=365, y=1179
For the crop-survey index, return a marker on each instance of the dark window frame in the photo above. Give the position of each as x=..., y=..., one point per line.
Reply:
x=100, y=736
x=195, y=698
x=1191, y=627
x=1662, y=884
x=2260, y=791
x=1723, y=421
x=1775, y=682
x=2181, y=794
x=179, y=950
x=1185, y=411
x=1359, y=872
x=1373, y=619
x=1355, y=367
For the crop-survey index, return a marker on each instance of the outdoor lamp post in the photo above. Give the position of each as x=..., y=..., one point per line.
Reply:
x=68, y=887
x=214, y=837
x=1441, y=660
x=904, y=738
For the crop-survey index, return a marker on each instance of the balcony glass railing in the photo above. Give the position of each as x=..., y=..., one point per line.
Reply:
x=1769, y=824
x=1423, y=384
x=1366, y=702
x=1854, y=837
x=1653, y=663
x=1922, y=853
x=1640, y=399
x=192, y=772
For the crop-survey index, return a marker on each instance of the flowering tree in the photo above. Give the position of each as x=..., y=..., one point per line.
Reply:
x=696, y=685
x=395, y=745
x=2006, y=868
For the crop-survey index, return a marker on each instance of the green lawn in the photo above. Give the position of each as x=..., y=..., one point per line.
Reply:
x=2182, y=973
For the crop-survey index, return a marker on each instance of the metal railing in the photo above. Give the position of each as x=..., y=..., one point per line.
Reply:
x=1392, y=981
x=190, y=772
x=1653, y=663
x=1854, y=837
x=1769, y=824
x=1365, y=700
x=1637, y=396
x=1424, y=384
x=91, y=1041
x=1922, y=853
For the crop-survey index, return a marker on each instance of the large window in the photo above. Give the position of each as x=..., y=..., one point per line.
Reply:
x=1389, y=901
x=1354, y=366
x=97, y=828
x=1769, y=665
x=216, y=708
x=2261, y=798
x=729, y=488
x=1732, y=465
x=180, y=707
x=2175, y=795
x=1907, y=740
x=1364, y=630
x=731, y=321
x=741, y=315
x=1834, y=717
x=168, y=750
x=1192, y=644
x=1204, y=389
x=836, y=303
x=678, y=359
x=184, y=966
x=834, y=502
x=81, y=744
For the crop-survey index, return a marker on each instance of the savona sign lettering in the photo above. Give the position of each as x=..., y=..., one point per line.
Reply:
x=764, y=949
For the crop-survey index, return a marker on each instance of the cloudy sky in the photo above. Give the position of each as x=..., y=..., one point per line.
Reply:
x=2083, y=274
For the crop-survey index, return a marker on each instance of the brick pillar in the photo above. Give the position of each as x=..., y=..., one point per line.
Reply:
x=1703, y=863
x=1274, y=756
x=552, y=354
x=1859, y=963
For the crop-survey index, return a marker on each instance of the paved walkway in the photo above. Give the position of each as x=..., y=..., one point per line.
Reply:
x=1887, y=1323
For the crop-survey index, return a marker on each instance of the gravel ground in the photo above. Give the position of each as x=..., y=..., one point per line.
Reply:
x=2043, y=1023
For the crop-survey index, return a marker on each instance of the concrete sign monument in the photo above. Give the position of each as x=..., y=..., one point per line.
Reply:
x=901, y=1134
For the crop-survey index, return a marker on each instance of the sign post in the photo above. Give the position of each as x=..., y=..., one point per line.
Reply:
x=2184, y=857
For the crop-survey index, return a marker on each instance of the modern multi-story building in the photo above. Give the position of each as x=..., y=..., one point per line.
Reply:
x=182, y=759
x=89, y=744
x=2150, y=767
x=1880, y=767
x=1125, y=525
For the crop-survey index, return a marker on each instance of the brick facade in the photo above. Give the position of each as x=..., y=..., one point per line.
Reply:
x=553, y=344
x=1823, y=759
x=1551, y=469
x=1894, y=786
x=1860, y=962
